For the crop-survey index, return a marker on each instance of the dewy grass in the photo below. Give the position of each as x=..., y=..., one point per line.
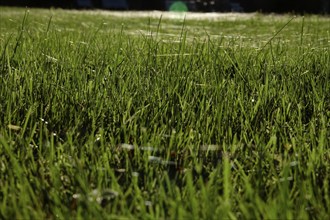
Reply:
x=105, y=117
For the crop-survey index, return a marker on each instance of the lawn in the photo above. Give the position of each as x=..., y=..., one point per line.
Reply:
x=109, y=115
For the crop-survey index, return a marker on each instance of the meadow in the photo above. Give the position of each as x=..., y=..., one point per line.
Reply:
x=109, y=115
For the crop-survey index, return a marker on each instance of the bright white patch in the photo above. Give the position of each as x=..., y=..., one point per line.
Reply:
x=176, y=15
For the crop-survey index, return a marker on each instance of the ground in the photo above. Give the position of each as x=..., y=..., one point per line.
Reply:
x=163, y=115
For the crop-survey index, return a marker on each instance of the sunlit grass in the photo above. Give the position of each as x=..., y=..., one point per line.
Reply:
x=103, y=116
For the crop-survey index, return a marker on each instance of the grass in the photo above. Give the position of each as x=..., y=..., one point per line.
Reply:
x=151, y=117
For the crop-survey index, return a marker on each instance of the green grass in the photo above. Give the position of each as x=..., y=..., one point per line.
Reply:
x=147, y=117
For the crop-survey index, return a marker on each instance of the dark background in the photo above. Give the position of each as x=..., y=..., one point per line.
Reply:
x=277, y=6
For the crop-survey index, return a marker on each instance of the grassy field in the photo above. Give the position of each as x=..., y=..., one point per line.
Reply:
x=163, y=116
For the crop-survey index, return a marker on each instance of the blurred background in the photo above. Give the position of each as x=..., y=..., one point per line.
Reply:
x=277, y=6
